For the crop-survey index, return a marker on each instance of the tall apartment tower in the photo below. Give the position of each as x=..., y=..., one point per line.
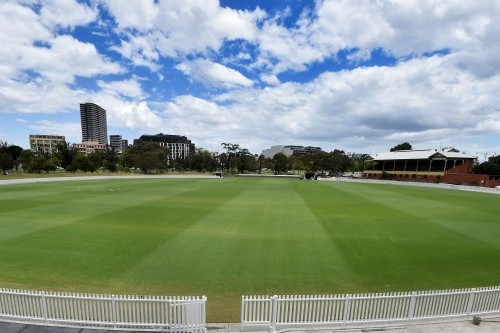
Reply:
x=94, y=124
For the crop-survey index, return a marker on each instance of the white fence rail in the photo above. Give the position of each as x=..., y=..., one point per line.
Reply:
x=416, y=184
x=148, y=313
x=358, y=310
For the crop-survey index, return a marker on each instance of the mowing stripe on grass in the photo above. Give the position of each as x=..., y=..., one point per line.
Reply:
x=228, y=237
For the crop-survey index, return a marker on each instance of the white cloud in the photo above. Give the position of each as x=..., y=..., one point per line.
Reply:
x=214, y=74
x=422, y=101
x=270, y=79
x=131, y=114
x=127, y=88
x=134, y=14
x=33, y=47
x=31, y=97
x=400, y=28
x=66, y=58
x=66, y=13
x=173, y=28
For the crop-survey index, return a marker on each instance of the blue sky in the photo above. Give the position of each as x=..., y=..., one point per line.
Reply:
x=361, y=76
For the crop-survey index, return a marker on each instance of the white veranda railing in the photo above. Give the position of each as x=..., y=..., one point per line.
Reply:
x=159, y=313
x=357, y=310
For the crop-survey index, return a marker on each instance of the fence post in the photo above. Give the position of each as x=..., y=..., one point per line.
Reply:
x=274, y=314
x=203, y=313
x=44, y=307
x=347, y=309
x=113, y=310
x=411, y=309
x=470, y=302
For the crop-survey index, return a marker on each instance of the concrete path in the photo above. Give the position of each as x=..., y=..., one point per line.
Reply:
x=491, y=325
x=97, y=177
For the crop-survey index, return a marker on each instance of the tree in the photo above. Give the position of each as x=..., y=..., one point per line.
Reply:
x=126, y=160
x=49, y=166
x=148, y=156
x=296, y=163
x=9, y=154
x=280, y=163
x=82, y=163
x=148, y=161
x=65, y=154
x=37, y=164
x=96, y=158
x=110, y=159
x=490, y=167
x=246, y=161
x=402, y=146
x=25, y=158
x=15, y=152
x=360, y=162
x=339, y=161
x=6, y=161
x=201, y=160
x=231, y=151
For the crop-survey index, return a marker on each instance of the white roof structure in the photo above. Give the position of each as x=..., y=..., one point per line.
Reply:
x=420, y=155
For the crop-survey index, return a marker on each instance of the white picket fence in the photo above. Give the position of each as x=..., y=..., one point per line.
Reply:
x=361, y=310
x=415, y=184
x=147, y=313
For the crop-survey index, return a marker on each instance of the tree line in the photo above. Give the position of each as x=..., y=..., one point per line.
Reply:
x=149, y=157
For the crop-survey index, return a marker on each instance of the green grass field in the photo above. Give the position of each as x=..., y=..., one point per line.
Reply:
x=224, y=238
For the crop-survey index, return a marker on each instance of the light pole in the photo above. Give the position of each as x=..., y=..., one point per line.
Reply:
x=485, y=154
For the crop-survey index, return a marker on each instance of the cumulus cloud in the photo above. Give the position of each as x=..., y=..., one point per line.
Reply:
x=126, y=88
x=423, y=100
x=400, y=28
x=66, y=13
x=172, y=28
x=443, y=78
x=136, y=14
x=132, y=114
x=213, y=74
x=32, y=97
x=39, y=65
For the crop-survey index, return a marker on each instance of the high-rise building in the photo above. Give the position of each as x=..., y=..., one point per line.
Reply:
x=116, y=142
x=94, y=124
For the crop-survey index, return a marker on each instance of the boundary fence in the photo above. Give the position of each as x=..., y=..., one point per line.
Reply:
x=361, y=310
x=159, y=313
x=416, y=184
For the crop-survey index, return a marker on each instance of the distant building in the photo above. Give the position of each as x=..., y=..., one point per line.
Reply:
x=180, y=147
x=289, y=150
x=94, y=124
x=88, y=147
x=124, y=143
x=45, y=143
x=116, y=142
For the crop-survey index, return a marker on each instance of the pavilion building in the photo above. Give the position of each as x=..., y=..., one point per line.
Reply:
x=429, y=165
